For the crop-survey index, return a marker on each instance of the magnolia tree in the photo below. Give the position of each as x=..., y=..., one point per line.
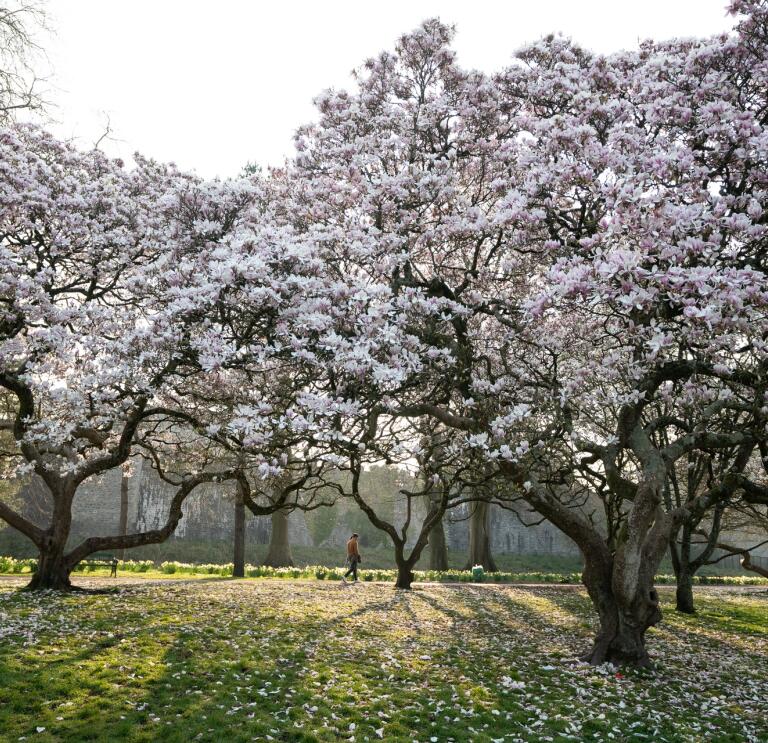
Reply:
x=127, y=299
x=536, y=258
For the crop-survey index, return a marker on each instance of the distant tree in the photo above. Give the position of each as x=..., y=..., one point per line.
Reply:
x=321, y=523
x=708, y=482
x=480, y=536
x=434, y=477
x=19, y=84
x=238, y=558
x=372, y=441
x=279, y=553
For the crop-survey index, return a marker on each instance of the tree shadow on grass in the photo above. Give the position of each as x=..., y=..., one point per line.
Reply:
x=457, y=617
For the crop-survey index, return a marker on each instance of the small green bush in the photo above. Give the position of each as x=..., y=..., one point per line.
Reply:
x=17, y=566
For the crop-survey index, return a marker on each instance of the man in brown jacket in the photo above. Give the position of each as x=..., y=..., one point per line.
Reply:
x=353, y=558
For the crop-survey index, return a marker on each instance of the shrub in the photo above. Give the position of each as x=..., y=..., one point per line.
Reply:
x=12, y=565
x=135, y=566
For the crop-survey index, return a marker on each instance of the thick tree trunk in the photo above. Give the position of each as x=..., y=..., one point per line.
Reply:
x=438, y=548
x=405, y=576
x=53, y=568
x=480, y=538
x=279, y=554
x=52, y=571
x=619, y=572
x=621, y=638
x=239, y=557
x=123, y=527
x=623, y=621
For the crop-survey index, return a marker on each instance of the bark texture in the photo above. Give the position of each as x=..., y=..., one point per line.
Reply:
x=624, y=618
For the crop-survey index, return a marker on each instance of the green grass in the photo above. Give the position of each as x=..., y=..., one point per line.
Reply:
x=230, y=660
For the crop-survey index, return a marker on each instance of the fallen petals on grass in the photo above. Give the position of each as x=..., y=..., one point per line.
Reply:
x=311, y=661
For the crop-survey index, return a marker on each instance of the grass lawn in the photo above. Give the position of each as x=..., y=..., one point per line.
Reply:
x=223, y=660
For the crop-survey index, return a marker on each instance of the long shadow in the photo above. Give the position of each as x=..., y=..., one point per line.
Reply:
x=383, y=606
x=457, y=617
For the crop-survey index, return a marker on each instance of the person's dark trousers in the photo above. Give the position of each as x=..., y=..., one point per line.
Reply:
x=352, y=569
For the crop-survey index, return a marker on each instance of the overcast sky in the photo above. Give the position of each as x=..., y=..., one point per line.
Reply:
x=212, y=86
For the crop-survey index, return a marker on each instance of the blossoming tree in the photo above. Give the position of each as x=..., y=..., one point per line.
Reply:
x=542, y=255
x=121, y=304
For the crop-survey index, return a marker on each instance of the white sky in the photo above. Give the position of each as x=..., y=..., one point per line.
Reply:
x=214, y=85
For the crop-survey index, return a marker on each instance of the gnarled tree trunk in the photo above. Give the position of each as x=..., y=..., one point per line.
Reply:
x=279, y=553
x=55, y=565
x=624, y=616
x=618, y=572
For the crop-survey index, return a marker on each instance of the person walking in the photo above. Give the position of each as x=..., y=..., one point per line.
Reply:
x=353, y=558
